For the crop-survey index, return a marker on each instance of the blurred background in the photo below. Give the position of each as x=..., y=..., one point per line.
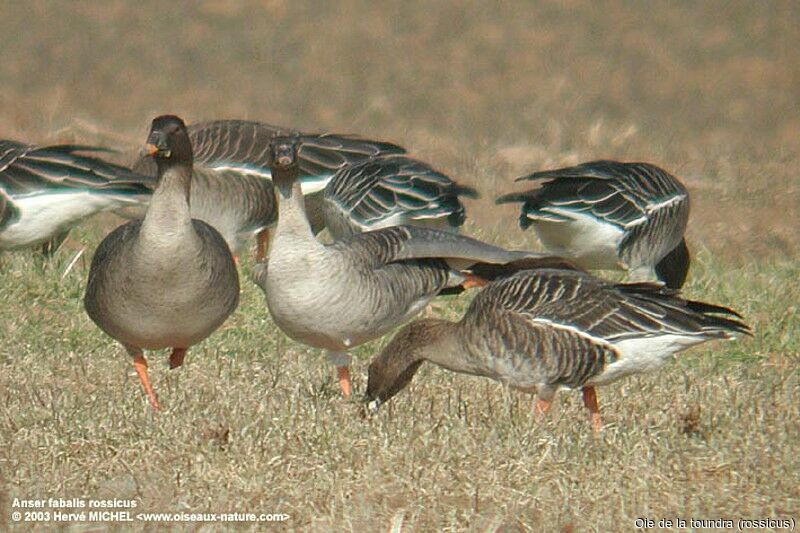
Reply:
x=485, y=91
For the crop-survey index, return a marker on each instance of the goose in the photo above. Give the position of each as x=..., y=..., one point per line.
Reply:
x=611, y=215
x=335, y=297
x=537, y=331
x=392, y=190
x=167, y=281
x=46, y=190
x=232, y=188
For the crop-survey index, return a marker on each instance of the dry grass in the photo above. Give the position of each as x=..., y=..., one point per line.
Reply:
x=485, y=92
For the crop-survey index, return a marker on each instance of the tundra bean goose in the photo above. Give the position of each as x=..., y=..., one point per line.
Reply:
x=540, y=330
x=338, y=296
x=232, y=188
x=611, y=215
x=167, y=281
x=49, y=189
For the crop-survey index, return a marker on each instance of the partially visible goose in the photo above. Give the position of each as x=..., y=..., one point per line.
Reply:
x=390, y=191
x=541, y=330
x=167, y=281
x=611, y=215
x=338, y=296
x=47, y=190
x=232, y=188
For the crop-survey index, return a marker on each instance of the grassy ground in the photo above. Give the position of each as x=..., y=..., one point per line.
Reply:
x=486, y=92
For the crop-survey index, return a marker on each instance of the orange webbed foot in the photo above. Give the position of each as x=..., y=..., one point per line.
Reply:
x=140, y=365
x=541, y=408
x=343, y=373
x=590, y=402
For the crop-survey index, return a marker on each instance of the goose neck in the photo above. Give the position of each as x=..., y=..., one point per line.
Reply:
x=169, y=205
x=292, y=218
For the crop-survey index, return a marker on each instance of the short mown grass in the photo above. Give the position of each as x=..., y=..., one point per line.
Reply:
x=254, y=423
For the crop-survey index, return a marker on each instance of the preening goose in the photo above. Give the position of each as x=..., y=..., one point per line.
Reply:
x=390, y=191
x=611, y=215
x=49, y=189
x=167, y=281
x=338, y=296
x=540, y=330
x=232, y=188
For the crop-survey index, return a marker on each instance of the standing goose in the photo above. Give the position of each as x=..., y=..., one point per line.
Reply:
x=390, y=191
x=47, y=190
x=335, y=297
x=540, y=330
x=167, y=281
x=232, y=188
x=611, y=215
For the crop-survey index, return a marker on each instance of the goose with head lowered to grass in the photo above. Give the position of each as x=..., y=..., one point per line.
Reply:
x=611, y=215
x=232, y=186
x=336, y=297
x=541, y=330
x=46, y=190
x=167, y=281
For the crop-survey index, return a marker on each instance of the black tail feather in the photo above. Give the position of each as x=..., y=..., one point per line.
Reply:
x=671, y=299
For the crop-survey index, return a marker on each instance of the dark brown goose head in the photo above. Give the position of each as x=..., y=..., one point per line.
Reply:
x=674, y=267
x=168, y=142
x=392, y=370
x=285, y=161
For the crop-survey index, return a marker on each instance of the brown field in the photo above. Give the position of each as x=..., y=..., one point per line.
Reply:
x=485, y=91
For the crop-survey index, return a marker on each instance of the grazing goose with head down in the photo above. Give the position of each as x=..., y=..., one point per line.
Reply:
x=167, y=281
x=232, y=188
x=47, y=190
x=394, y=190
x=338, y=296
x=540, y=330
x=611, y=215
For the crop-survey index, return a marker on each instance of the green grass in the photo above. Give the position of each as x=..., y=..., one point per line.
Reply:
x=253, y=421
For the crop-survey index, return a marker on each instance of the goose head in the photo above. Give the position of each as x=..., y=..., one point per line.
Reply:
x=392, y=370
x=168, y=142
x=285, y=160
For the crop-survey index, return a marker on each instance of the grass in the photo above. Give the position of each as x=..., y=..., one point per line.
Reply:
x=253, y=421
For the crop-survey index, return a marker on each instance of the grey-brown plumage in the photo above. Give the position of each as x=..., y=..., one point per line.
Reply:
x=46, y=190
x=168, y=280
x=390, y=191
x=540, y=330
x=232, y=188
x=611, y=215
x=339, y=296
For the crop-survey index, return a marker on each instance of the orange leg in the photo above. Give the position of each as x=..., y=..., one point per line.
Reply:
x=590, y=402
x=140, y=364
x=176, y=357
x=471, y=281
x=542, y=407
x=262, y=240
x=344, y=380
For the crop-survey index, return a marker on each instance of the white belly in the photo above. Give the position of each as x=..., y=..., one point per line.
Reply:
x=592, y=244
x=44, y=215
x=641, y=355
